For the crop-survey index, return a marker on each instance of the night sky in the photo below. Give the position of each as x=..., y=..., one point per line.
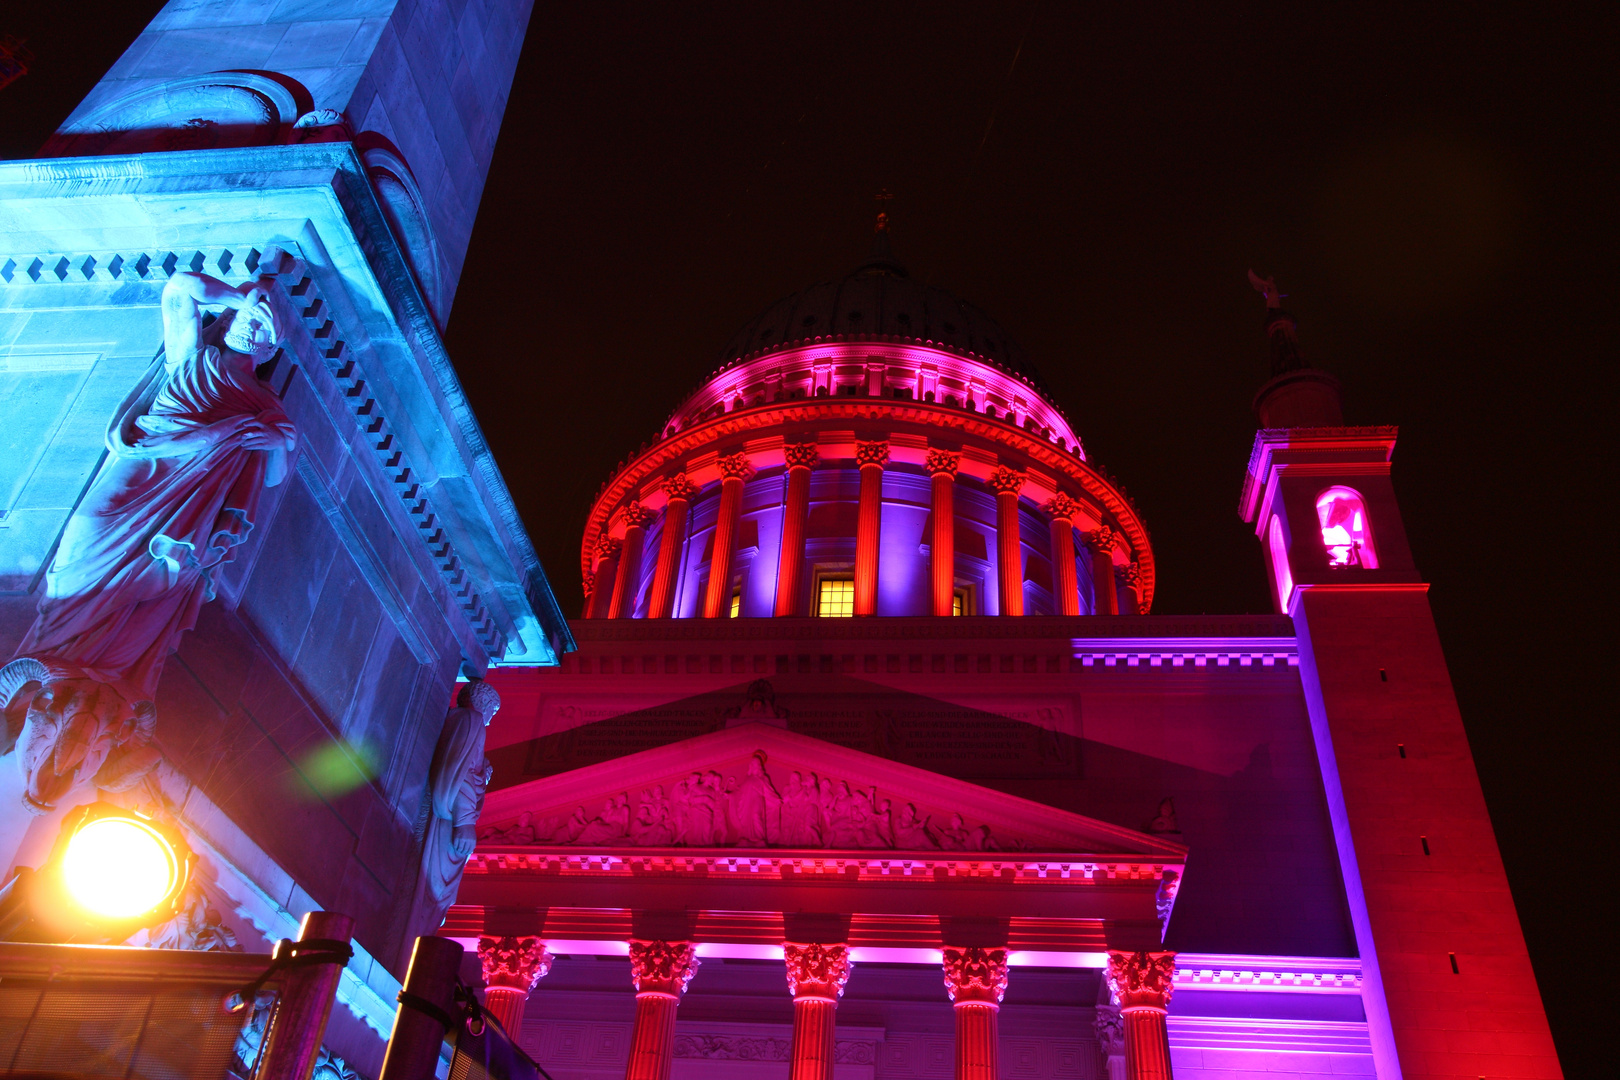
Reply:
x=1434, y=187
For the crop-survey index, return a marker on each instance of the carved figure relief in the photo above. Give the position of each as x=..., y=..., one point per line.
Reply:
x=705, y=809
x=190, y=450
x=456, y=784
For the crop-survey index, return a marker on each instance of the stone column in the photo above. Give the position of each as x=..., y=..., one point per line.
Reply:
x=1007, y=483
x=976, y=980
x=816, y=974
x=1105, y=598
x=734, y=470
x=801, y=459
x=608, y=550
x=1110, y=1027
x=1141, y=983
x=870, y=457
x=660, y=971
x=1065, y=588
x=1129, y=577
x=623, y=603
x=942, y=466
x=512, y=967
x=661, y=599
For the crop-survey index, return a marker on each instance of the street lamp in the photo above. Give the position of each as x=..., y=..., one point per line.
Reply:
x=112, y=872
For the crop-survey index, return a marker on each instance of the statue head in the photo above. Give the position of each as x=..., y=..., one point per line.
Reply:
x=481, y=698
x=248, y=336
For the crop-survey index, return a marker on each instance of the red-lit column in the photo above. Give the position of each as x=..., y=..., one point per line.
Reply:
x=608, y=550
x=623, y=603
x=661, y=600
x=734, y=470
x=801, y=458
x=1007, y=483
x=1105, y=595
x=512, y=966
x=976, y=980
x=871, y=457
x=1065, y=587
x=660, y=971
x=816, y=974
x=588, y=585
x=1130, y=577
x=1142, y=982
x=942, y=466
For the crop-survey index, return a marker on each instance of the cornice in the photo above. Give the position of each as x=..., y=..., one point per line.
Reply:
x=1134, y=634
x=1268, y=441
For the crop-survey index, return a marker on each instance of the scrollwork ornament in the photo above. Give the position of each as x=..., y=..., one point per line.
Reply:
x=872, y=454
x=1062, y=507
x=736, y=466
x=942, y=463
x=636, y=516
x=1005, y=481
x=817, y=971
x=679, y=486
x=515, y=962
x=801, y=455
x=662, y=967
x=1142, y=980
x=976, y=975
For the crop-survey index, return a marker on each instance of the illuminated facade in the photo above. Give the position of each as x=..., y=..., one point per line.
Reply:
x=871, y=762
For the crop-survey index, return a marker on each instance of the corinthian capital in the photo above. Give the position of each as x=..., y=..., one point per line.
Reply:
x=636, y=516
x=817, y=971
x=976, y=975
x=1062, y=507
x=1141, y=980
x=801, y=455
x=662, y=967
x=872, y=453
x=679, y=487
x=607, y=546
x=514, y=962
x=942, y=463
x=736, y=466
x=1005, y=481
x=1102, y=540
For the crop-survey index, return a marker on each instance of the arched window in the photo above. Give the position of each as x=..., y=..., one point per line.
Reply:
x=1344, y=529
x=1279, y=563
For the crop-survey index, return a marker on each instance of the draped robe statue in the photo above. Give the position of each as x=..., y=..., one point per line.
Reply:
x=456, y=784
x=189, y=452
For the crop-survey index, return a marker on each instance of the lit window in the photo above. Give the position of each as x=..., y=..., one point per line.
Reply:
x=1344, y=528
x=736, y=602
x=959, y=602
x=836, y=597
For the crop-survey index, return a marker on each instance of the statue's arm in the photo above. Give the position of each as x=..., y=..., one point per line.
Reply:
x=184, y=297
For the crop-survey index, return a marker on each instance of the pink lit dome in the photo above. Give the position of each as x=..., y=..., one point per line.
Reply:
x=868, y=446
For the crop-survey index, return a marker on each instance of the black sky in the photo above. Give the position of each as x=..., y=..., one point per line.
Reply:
x=1434, y=186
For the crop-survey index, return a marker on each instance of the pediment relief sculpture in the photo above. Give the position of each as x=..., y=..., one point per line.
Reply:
x=190, y=450
x=707, y=809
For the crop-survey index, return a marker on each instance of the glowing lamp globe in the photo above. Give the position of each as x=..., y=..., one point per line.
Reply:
x=120, y=867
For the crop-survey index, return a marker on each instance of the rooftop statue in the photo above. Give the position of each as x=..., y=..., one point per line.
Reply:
x=189, y=452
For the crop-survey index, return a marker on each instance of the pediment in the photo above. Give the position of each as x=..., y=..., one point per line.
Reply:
x=758, y=786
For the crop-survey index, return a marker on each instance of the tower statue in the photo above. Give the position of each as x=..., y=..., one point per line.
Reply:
x=456, y=785
x=190, y=449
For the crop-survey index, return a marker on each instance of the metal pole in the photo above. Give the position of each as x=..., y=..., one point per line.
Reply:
x=299, y=1022
x=413, y=1048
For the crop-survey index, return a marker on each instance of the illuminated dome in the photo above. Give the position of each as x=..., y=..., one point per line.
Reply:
x=868, y=446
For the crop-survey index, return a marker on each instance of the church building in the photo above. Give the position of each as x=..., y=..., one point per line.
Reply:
x=868, y=757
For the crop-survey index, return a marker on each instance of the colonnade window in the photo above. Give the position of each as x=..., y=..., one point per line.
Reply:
x=736, y=602
x=960, y=604
x=1343, y=518
x=835, y=596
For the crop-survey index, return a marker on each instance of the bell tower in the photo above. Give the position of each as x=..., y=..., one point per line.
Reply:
x=1429, y=902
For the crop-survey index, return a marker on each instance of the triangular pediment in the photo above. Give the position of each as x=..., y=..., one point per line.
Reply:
x=759, y=786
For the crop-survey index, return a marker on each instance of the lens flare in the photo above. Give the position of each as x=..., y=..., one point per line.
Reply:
x=119, y=868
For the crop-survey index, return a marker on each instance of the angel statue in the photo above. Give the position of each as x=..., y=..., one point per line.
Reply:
x=189, y=452
x=1267, y=287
